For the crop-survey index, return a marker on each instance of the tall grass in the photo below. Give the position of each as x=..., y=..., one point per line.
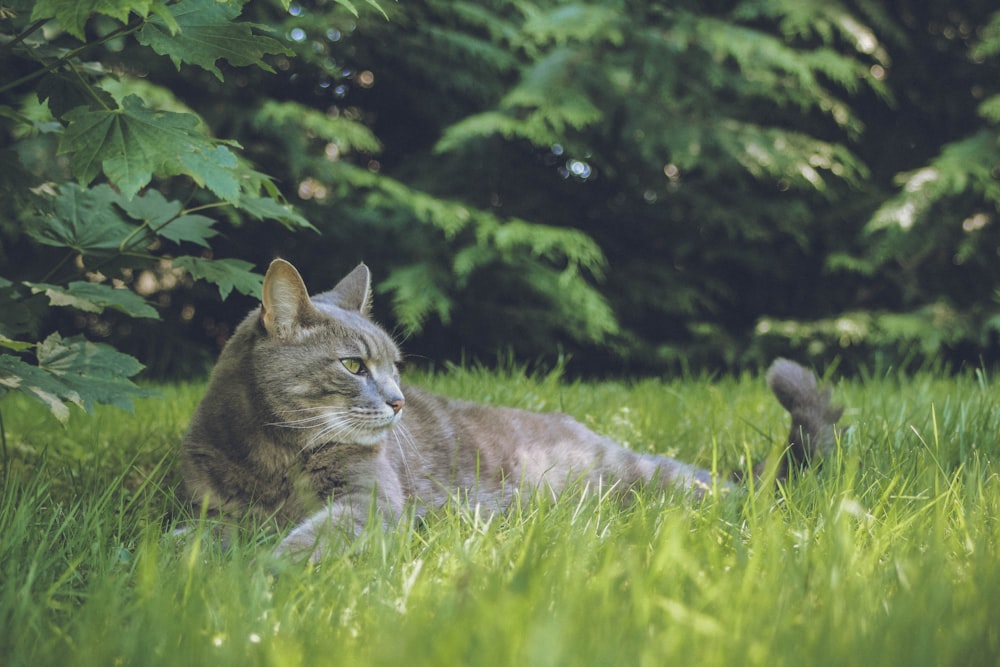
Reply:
x=888, y=555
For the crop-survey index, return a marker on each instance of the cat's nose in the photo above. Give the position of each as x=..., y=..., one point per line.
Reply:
x=396, y=404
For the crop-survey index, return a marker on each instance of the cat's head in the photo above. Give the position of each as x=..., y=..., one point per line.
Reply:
x=325, y=369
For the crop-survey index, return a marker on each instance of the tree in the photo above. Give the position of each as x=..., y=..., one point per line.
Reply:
x=641, y=186
x=687, y=145
x=108, y=181
x=735, y=162
x=922, y=269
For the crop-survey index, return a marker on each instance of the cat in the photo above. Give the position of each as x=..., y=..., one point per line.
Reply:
x=305, y=423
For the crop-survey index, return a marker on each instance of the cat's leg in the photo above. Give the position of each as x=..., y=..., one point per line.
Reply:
x=563, y=453
x=813, y=436
x=373, y=494
x=698, y=482
x=327, y=530
x=631, y=469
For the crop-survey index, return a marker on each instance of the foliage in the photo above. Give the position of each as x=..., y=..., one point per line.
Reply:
x=637, y=188
x=890, y=552
x=927, y=255
x=661, y=133
x=732, y=163
x=97, y=171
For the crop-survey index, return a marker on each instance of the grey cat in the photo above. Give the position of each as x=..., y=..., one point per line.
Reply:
x=305, y=423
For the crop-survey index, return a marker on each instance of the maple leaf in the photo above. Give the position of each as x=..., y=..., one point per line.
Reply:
x=95, y=298
x=16, y=375
x=161, y=217
x=73, y=14
x=82, y=219
x=207, y=34
x=132, y=143
x=226, y=274
x=73, y=371
x=90, y=372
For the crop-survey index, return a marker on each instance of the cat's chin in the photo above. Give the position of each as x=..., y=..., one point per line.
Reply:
x=374, y=434
x=369, y=439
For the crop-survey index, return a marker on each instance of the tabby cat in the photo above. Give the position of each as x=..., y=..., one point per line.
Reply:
x=305, y=422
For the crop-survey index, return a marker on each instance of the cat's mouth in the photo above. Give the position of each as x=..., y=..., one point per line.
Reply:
x=371, y=429
x=322, y=426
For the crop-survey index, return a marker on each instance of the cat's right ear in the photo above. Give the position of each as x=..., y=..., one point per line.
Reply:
x=353, y=292
x=284, y=300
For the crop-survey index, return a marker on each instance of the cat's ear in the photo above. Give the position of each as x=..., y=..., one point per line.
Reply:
x=284, y=300
x=353, y=292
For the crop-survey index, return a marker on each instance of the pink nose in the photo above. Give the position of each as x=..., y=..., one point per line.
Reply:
x=396, y=404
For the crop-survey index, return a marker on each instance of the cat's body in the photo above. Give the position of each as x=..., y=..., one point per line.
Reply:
x=305, y=422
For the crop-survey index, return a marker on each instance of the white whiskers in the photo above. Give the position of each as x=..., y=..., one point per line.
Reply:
x=350, y=426
x=404, y=442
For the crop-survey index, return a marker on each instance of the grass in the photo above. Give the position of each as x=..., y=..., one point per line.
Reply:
x=888, y=555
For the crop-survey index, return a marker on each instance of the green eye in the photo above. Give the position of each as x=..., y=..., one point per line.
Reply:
x=354, y=365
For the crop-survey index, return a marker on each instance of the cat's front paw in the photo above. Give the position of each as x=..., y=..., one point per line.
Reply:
x=300, y=548
x=325, y=533
x=305, y=543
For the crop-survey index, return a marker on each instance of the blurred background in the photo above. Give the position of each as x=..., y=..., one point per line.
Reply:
x=622, y=187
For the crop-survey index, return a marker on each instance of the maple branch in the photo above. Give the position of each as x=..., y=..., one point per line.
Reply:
x=204, y=207
x=3, y=441
x=24, y=35
x=58, y=265
x=87, y=87
x=69, y=55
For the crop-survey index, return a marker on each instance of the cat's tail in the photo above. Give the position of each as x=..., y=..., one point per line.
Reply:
x=814, y=418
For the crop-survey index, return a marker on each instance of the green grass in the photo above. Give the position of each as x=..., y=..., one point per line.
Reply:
x=887, y=556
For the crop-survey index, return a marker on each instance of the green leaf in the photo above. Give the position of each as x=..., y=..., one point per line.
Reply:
x=351, y=7
x=583, y=22
x=416, y=294
x=65, y=93
x=16, y=345
x=348, y=5
x=267, y=208
x=347, y=134
x=990, y=109
x=20, y=316
x=226, y=274
x=215, y=169
x=191, y=228
x=83, y=219
x=151, y=208
x=16, y=375
x=90, y=372
x=162, y=10
x=966, y=164
x=73, y=371
x=133, y=143
x=73, y=14
x=160, y=216
x=207, y=34
x=95, y=298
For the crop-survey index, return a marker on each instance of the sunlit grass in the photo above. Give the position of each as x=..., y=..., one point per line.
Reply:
x=888, y=555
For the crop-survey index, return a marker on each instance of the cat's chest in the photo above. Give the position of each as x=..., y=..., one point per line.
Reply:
x=334, y=467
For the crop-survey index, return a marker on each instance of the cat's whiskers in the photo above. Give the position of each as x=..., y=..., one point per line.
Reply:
x=312, y=422
x=329, y=423
x=323, y=415
x=340, y=431
x=341, y=427
x=351, y=425
x=402, y=435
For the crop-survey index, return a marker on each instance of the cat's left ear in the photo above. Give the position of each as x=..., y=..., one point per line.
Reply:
x=285, y=301
x=353, y=292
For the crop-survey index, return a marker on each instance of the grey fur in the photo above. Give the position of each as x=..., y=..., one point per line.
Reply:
x=813, y=433
x=304, y=423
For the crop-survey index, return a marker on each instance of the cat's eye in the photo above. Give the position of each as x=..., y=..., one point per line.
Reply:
x=354, y=365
